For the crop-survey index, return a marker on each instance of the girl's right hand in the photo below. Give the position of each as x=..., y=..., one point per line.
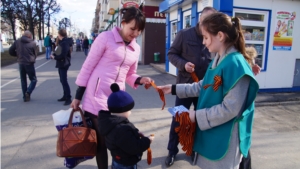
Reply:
x=166, y=89
x=75, y=104
x=151, y=138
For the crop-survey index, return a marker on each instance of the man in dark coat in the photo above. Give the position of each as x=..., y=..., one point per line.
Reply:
x=188, y=54
x=25, y=50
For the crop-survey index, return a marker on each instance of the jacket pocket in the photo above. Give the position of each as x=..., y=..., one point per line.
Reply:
x=192, y=48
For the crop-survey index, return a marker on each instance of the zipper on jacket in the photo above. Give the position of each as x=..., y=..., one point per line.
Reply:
x=121, y=65
x=96, y=88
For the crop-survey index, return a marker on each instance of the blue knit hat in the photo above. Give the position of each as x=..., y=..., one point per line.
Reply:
x=119, y=101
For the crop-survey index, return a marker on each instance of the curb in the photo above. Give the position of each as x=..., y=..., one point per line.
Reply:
x=261, y=104
x=158, y=68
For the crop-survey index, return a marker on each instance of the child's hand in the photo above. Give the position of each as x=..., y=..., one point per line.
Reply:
x=151, y=137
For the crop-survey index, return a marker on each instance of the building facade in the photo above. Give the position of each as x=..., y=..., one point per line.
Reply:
x=270, y=26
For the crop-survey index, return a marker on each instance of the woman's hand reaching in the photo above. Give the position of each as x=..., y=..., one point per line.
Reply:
x=166, y=89
x=146, y=80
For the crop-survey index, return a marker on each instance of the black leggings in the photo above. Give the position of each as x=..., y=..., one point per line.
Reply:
x=101, y=156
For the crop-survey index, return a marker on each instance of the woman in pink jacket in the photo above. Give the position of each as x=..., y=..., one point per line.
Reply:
x=113, y=58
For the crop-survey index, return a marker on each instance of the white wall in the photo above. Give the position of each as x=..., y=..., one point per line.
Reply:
x=280, y=64
x=173, y=15
x=203, y=3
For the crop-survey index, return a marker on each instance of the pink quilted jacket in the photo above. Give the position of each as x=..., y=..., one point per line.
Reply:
x=108, y=61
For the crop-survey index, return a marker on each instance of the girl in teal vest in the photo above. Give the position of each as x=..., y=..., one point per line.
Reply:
x=225, y=110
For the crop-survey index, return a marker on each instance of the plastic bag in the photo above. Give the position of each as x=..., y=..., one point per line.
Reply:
x=61, y=119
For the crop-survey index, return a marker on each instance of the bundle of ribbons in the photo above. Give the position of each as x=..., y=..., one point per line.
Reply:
x=186, y=129
x=186, y=132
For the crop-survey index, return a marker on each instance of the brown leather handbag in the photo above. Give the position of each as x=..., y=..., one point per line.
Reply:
x=76, y=141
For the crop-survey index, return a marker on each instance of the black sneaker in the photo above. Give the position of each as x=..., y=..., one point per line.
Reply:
x=27, y=97
x=170, y=160
x=61, y=99
x=68, y=102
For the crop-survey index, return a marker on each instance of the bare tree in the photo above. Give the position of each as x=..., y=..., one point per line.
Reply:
x=9, y=9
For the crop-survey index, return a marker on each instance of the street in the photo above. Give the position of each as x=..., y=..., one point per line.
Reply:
x=28, y=135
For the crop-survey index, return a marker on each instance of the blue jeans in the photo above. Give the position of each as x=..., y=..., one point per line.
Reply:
x=64, y=81
x=86, y=51
x=173, y=136
x=30, y=71
x=116, y=165
x=48, y=52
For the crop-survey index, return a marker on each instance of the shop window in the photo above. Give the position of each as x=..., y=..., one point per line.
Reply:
x=254, y=28
x=187, y=19
x=173, y=31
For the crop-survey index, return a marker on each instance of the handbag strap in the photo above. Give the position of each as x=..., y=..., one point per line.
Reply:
x=71, y=117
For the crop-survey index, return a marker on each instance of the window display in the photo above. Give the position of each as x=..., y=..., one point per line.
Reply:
x=173, y=31
x=254, y=27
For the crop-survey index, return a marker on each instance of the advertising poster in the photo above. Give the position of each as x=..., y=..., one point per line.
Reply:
x=283, y=35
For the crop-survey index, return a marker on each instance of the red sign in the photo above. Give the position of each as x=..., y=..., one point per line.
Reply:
x=152, y=12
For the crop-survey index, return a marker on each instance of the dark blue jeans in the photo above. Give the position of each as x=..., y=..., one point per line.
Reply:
x=86, y=51
x=30, y=71
x=116, y=165
x=64, y=81
x=173, y=136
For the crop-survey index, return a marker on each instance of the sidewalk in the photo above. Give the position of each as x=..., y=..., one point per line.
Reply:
x=262, y=99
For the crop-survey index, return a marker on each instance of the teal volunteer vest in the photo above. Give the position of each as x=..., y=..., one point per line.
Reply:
x=214, y=143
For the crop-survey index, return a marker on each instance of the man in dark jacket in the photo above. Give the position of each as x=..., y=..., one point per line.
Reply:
x=188, y=54
x=62, y=55
x=25, y=50
x=124, y=141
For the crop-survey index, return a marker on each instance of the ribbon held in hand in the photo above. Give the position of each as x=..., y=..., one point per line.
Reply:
x=160, y=92
x=149, y=154
x=194, y=76
x=186, y=132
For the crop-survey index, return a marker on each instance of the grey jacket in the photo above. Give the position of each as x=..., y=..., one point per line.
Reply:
x=188, y=47
x=25, y=50
x=207, y=118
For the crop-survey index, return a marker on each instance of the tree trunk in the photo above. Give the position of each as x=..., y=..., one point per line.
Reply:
x=13, y=25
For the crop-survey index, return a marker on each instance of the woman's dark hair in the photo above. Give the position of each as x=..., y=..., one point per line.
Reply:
x=131, y=13
x=62, y=32
x=231, y=27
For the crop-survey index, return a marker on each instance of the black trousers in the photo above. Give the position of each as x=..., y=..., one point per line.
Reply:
x=173, y=136
x=64, y=81
x=246, y=162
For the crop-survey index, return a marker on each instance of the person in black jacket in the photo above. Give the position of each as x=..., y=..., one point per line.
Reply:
x=62, y=55
x=25, y=50
x=122, y=138
x=85, y=46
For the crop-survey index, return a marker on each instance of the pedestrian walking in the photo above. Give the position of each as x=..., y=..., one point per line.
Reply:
x=62, y=55
x=225, y=108
x=113, y=58
x=85, y=46
x=26, y=51
x=122, y=138
x=48, y=44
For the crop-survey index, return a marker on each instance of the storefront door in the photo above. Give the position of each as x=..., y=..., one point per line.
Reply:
x=297, y=74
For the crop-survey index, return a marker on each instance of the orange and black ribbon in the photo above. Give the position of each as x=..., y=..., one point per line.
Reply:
x=160, y=92
x=186, y=132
